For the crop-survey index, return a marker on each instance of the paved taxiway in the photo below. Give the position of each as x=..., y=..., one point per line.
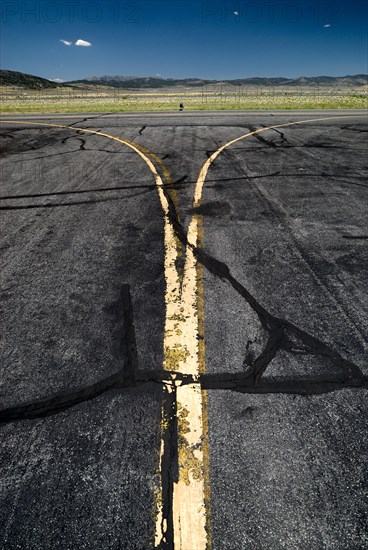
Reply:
x=130, y=312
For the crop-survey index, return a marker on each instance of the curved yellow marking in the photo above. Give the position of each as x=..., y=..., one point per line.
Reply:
x=192, y=492
x=202, y=369
x=130, y=144
x=172, y=296
x=184, y=352
x=169, y=234
x=181, y=354
x=203, y=173
x=189, y=505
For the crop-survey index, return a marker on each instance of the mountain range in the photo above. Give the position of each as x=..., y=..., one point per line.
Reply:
x=14, y=78
x=157, y=82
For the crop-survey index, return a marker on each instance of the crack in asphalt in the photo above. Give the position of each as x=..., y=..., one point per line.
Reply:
x=361, y=131
x=47, y=156
x=64, y=140
x=180, y=181
x=90, y=118
x=178, y=184
x=128, y=378
x=264, y=359
x=107, y=151
x=151, y=187
x=269, y=142
x=142, y=130
x=280, y=332
x=282, y=217
x=79, y=122
x=280, y=336
x=269, y=322
x=304, y=387
x=355, y=236
x=283, y=138
x=124, y=377
x=7, y=135
x=73, y=203
x=343, y=180
x=169, y=466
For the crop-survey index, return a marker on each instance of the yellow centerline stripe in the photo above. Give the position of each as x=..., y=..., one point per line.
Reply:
x=181, y=353
x=184, y=352
x=202, y=370
x=189, y=509
x=198, y=537
x=172, y=296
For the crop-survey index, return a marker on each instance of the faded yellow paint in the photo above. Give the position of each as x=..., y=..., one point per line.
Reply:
x=176, y=353
x=184, y=352
x=189, y=464
x=189, y=510
x=192, y=493
x=202, y=369
x=203, y=173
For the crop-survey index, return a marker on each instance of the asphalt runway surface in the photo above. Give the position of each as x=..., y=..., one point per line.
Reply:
x=185, y=328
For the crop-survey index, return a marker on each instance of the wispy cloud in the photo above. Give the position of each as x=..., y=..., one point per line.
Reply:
x=66, y=42
x=326, y=26
x=81, y=42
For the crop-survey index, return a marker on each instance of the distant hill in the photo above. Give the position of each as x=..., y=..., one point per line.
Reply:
x=140, y=82
x=13, y=78
x=156, y=82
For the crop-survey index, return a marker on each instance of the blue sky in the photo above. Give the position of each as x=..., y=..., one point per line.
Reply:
x=214, y=39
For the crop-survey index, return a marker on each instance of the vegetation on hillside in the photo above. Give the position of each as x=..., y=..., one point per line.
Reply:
x=14, y=78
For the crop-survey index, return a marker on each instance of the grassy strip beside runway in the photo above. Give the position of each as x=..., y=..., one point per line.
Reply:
x=164, y=102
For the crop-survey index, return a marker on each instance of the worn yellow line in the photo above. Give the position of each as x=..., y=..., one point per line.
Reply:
x=142, y=151
x=135, y=147
x=193, y=501
x=173, y=346
x=132, y=145
x=189, y=511
x=202, y=369
x=180, y=354
x=203, y=173
x=174, y=197
x=184, y=352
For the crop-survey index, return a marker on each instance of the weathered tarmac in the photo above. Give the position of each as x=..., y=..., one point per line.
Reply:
x=284, y=254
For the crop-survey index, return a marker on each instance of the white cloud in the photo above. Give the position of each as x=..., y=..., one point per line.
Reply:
x=80, y=42
x=326, y=26
x=235, y=12
x=66, y=42
x=57, y=80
